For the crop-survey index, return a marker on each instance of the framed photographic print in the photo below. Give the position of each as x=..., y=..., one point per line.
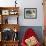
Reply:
x=5, y=12
x=30, y=13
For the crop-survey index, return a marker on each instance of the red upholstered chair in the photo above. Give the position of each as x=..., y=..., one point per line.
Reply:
x=29, y=33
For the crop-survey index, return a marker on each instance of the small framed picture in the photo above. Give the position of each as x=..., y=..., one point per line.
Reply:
x=30, y=13
x=5, y=12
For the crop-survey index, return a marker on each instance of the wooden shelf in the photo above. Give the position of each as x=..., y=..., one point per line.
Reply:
x=9, y=8
x=4, y=13
x=10, y=26
x=9, y=43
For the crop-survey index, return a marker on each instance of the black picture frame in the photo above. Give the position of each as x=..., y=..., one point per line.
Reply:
x=30, y=13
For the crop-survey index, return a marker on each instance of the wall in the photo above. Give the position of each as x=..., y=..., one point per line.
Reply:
x=27, y=4
x=31, y=4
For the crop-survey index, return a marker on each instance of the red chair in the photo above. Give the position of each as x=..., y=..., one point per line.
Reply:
x=29, y=33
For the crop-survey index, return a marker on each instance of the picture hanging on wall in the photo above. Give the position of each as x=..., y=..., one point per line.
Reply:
x=30, y=13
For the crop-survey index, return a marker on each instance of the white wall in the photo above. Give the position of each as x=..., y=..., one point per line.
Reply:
x=31, y=4
x=27, y=4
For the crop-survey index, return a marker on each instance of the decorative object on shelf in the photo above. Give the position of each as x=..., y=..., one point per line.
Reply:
x=15, y=34
x=13, y=12
x=6, y=21
x=15, y=30
x=15, y=37
x=30, y=13
x=7, y=34
x=15, y=3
